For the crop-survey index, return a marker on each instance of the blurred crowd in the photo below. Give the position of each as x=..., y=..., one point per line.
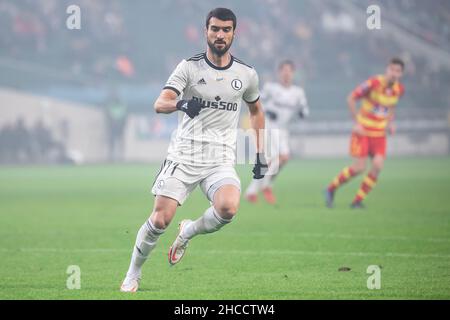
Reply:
x=132, y=46
x=22, y=145
x=433, y=28
x=36, y=32
x=141, y=41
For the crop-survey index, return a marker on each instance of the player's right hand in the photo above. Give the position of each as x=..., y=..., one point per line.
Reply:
x=190, y=107
x=358, y=129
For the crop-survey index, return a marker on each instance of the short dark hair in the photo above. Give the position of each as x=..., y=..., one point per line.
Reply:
x=398, y=61
x=223, y=14
x=286, y=62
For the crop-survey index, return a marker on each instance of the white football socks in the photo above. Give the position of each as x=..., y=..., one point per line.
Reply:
x=272, y=172
x=209, y=222
x=146, y=240
x=254, y=187
x=266, y=182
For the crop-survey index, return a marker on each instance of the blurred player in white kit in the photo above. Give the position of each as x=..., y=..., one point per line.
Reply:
x=283, y=102
x=211, y=86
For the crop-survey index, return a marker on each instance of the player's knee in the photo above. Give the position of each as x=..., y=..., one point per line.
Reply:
x=359, y=167
x=227, y=209
x=160, y=218
x=377, y=168
x=284, y=159
x=378, y=165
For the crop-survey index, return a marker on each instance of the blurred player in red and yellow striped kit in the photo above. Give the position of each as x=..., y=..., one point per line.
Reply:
x=379, y=96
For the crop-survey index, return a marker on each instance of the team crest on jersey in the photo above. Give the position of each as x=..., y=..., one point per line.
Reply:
x=236, y=84
x=160, y=184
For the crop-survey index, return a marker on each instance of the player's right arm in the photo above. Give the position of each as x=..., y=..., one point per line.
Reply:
x=166, y=102
x=359, y=92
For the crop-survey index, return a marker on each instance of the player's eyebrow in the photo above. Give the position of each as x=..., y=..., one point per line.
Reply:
x=228, y=28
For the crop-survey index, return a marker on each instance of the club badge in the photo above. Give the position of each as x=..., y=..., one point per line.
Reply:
x=236, y=84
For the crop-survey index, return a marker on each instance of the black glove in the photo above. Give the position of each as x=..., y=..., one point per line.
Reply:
x=303, y=113
x=261, y=167
x=271, y=115
x=190, y=107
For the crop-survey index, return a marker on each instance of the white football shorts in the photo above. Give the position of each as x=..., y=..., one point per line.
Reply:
x=178, y=180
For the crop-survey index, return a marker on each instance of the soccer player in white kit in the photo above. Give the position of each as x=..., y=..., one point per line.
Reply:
x=202, y=150
x=283, y=102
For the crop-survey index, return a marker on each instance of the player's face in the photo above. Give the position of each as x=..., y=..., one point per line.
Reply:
x=286, y=74
x=394, y=72
x=219, y=36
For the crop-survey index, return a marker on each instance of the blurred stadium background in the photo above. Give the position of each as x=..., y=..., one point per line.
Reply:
x=86, y=96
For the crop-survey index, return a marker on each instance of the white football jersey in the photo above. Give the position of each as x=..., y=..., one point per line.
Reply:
x=210, y=138
x=283, y=102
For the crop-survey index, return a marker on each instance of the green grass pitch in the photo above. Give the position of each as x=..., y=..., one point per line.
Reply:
x=53, y=217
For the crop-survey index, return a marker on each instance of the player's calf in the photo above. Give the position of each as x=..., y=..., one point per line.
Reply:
x=209, y=222
x=367, y=185
x=225, y=205
x=146, y=240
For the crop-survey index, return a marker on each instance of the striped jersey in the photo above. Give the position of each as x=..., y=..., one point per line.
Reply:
x=378, y=100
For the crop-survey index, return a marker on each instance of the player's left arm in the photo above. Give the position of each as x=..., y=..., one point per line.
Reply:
x=257, y=121
x=359, y=92
x=392, y=126
x=391, y=123
x=303, y=105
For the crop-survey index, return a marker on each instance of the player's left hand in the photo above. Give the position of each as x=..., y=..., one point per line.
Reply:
x=303, y=113
x=392, y=128
x=271, y=115
x=261, y=167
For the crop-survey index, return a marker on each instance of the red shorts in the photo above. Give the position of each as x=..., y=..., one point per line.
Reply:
x=363, y=146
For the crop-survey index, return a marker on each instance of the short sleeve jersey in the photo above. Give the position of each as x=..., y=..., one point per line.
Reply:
x=283, y=102
x=210, y=138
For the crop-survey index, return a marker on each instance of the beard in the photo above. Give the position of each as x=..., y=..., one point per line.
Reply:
x=219, y=52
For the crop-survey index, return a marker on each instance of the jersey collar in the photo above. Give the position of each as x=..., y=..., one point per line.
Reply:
x=212, y=65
